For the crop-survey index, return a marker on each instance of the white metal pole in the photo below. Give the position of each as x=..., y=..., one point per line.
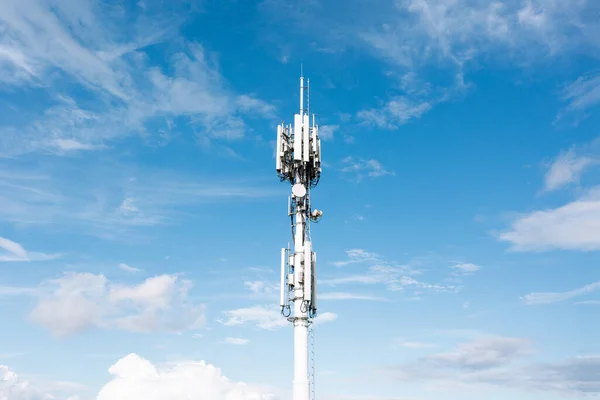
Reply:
x=301, y=382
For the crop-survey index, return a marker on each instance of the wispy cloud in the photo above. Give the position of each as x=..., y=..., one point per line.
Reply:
x=349, y=296
x=110, y=199
x=567, y=168
x=403, y=342
x=15, y=252
x=496, y=360
x=262, y=316
x=262, y=287
x=18, y=291
x=265, y=317
x=453, y=38
x=356, y=256
x=128, y=268
x=555, y=297
x=237, y=341
x=18, y=388
x=589, y=302
x=327, y=132
x=361, y=168
x=582, y=94
x=377, y=271
x=569, y=227
x=395, y=278
x=325, y=317
x=103, y=50
x=462, y=269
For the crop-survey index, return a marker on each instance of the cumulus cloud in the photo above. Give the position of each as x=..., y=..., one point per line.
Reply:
x=79, y=301
x=15, y=252
x=572, y=226
x=135, y=378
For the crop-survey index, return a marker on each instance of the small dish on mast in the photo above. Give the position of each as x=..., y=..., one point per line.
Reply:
x=298, y=190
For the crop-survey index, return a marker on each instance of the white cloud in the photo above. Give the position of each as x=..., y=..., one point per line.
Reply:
x=394, y=277
x=361, y=168
x=262, y=316
x=237, y=341
x=455, y=31
x=349, y=296
x=567, y=168
x=499, y=361
x=135, y=378
x=103, y=50
x=17, y=291
x=322, y=318
x=128, y=268
x=12, y=387
x=259, y=287
x=465, y=268
x=555, y=297
x=326, y=132
x=583, y=93
x=265, y=317
x=396, y=111
x=80, y=301
x=357, y=256
x=452, y=38
x=570, y=227
x=414, y=345
x=16, y=252
x=108, y=199
x=71, y=145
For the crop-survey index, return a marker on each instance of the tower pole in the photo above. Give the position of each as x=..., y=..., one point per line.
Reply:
x=298, y=162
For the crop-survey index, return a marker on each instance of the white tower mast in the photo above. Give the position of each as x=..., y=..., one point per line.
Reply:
x=298, y=162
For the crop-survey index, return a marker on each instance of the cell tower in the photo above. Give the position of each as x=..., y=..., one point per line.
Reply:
x=298, y=162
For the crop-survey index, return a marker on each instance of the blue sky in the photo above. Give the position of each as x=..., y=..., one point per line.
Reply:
x=141, y=217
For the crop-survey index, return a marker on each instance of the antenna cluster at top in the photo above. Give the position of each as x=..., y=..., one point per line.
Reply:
x=298, y=158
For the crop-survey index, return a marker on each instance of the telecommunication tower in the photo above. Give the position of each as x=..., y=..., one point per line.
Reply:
x=298, y=162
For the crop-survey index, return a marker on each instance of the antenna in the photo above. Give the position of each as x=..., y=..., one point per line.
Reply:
x=308, y=96
x=298, y=162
